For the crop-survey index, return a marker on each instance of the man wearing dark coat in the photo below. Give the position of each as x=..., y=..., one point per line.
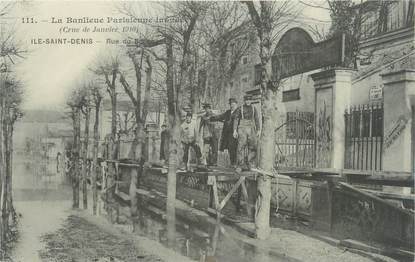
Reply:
x=228, y=140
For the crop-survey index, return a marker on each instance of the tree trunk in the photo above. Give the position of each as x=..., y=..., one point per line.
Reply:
x=113, y=117
x=8, y=182
x=6, y=154
x=75, y=156
x=264, y=24
x=95, y=167
x=194, y=88
x=174, y=141
x=113, y=147
x=267, y=156
x=138, y=135
x=2, y=167
x=85, y=158
x=139, y=142
x=146, y=102
x=10, y=171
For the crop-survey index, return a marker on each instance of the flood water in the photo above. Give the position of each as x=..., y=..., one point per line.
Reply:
x=43, y=197
x=205, y=242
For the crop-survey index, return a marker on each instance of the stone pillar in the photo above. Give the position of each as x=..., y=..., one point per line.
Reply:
x=332, y=98
x=413, y=136
x=152, y=151
x=398, y=99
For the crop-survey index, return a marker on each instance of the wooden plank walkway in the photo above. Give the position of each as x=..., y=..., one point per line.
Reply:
x=329, y=174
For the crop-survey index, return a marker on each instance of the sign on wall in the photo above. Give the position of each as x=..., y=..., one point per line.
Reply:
x=375, y=93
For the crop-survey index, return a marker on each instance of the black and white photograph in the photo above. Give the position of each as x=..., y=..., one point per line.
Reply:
x=207, y=131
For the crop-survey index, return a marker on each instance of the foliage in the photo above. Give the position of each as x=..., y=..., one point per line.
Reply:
x=348, y=17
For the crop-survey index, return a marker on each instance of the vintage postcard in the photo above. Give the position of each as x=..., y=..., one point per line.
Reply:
x=207, y=130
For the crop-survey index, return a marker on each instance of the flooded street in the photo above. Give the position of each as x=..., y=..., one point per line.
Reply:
x=50, y=230
x=42, y=197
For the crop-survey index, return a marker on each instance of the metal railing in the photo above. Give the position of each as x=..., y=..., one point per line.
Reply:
x=364, y=137
x=295, y=142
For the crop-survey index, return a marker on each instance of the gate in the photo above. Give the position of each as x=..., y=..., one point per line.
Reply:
x=295, y=141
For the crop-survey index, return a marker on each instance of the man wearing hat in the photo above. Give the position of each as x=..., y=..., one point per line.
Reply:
x=248, y=128
x=228, y=141
x=210, y=140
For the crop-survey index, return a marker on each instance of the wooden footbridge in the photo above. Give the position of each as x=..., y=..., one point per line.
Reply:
x=336, y=201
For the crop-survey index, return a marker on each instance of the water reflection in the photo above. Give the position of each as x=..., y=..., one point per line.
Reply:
x=41, y=196
x=34, y=180
x=202, y=242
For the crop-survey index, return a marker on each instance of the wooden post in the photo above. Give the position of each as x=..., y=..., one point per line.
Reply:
x=330, y=187
x=245, y=194
x=295, y=188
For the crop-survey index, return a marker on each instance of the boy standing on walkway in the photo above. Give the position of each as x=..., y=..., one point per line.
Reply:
x=189, y=135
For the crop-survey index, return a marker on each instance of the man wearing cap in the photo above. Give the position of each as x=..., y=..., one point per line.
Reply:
x=247, y=126
x=210, y=140
x=189, y=138
x=228, y=141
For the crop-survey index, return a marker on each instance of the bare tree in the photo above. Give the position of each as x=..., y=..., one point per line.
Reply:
x=96, y=93
x=269, y=19
x=349, y=16
x=108, y=67
x=75, y=103
x=177, y=39
x=136, y=57
x=11, y=99
x=228, y=34
x=86, y=111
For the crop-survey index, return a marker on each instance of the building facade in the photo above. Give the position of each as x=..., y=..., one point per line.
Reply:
x=377, y=118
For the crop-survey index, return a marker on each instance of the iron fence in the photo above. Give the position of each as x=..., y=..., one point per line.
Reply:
x=295, y=141
x=364, y=137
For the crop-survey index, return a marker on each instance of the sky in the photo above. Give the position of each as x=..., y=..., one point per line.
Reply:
x=49, y=72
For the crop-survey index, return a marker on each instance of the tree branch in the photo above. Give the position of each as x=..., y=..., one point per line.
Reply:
x=127, y=89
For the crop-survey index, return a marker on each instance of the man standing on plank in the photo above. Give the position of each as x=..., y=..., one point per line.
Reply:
x=189, y=138
x=228, y=140
x=210, y=141
x=248, y=129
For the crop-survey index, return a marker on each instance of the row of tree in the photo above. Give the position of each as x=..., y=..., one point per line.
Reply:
x=10, y=111
x=81, y=103
x=210, y=37
x=175, y=60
